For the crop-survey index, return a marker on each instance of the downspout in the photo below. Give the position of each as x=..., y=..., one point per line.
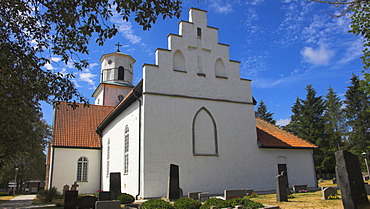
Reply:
x=139, y=168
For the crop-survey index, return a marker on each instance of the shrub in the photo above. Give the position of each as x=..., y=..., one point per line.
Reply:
x=212, y=202
x=187, y=203
x=245, y=202
x=155, y=204
x=4, y=193
x=48, y=195
x=126, y=198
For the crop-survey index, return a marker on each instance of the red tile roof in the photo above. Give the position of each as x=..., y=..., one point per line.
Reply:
x=271, y=136
x=77, y=128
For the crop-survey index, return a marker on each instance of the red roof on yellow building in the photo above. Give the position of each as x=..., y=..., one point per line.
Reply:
x=271, y=136
x=77, y=128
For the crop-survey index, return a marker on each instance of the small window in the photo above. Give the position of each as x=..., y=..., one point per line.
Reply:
x=109, y=62
x=199, y=32
x=82, y=169
x=121, y=73
x=120, y=97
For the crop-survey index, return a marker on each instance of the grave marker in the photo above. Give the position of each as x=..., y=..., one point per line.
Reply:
x=281, y=190
x=86, y=202
x=115, y=185
x=194, y=195
x=70, y=199
x=65, y=188
x=350, y=180
x=239, y=193
x=173, y=192
x=74, y=186
x=114, y=204
x=327, y=192
x=104, y=196
x=204, y=196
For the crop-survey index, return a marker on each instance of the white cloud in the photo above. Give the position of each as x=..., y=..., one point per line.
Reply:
x=55, y=59
x=125, y=28
x=49, y=66
x=283, y=122
x=320, y=56
x=87, y=77
x=223, y=9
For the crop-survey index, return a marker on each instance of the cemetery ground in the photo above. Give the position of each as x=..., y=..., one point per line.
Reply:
x=299, y=200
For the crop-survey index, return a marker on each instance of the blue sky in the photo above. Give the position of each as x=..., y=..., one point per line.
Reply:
x=282, y=45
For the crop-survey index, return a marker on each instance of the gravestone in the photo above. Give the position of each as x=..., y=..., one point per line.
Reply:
x=239, y=193
x=281, y=190
x=70, y=199
x=114, y=204
x=327, y=192
x=65, y=188
x=173, y=192
x=367, y=187
x=104, y=196
x=350, y=180
x=204, y=196
x=194, y=195
x=299, y=188
x=74, y=186
x=86, y=202
x=115, y=185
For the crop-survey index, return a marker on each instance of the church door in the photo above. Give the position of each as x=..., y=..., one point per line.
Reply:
x=281, y=168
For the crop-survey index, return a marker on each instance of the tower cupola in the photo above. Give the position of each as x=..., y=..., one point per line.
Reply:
x=117, y=68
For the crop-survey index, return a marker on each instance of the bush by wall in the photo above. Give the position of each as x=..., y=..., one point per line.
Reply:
x=187, y=203
x=155, y=204
x=126, y=198
x=244, y=202
x=212, y=202
x=48, y=195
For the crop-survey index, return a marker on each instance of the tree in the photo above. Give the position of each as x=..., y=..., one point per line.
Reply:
x=359, y=11
x=358, y=119
x=33, y=31
x=264, y=114
x=307, y=122
x=334, y=126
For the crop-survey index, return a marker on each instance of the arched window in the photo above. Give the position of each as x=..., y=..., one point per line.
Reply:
x=82, y=169
x=220, y=68
x=127, y=138
x=204, y=134
x=179, y=61
x=121, y=73
x=108, y=156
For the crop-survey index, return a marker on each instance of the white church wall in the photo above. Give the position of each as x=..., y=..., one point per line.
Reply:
x=65, y=169
x=211, y=81
x=115, y=132
x=111, y=93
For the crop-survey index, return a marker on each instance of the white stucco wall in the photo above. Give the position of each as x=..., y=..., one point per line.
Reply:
x=171, y=100
x=115, y=132
x=64, y=169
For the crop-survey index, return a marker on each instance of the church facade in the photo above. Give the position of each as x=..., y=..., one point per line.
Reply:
x=191, y=109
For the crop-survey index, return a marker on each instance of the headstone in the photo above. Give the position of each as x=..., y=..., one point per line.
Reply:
x=173, y=192
x=299, y=188
x=74, y=186
x=367, y=187
x=350, y=180
x=281, y=190
x=327, y=192
x=65, y=188
x=114, y=204
x=115, y=185
x=104, y=196
x=70, y=199
x=194, y=195
x=204, y=196
x=86, y=202
x=239, y=193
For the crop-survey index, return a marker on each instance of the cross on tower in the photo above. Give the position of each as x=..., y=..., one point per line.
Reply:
x=118, y=45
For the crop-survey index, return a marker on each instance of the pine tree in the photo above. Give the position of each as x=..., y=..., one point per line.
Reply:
x=307, y=122
x=264, y=114
x=358, y=119
x=334, y=128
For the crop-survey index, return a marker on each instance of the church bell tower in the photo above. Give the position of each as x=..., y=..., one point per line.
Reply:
x=116, y=78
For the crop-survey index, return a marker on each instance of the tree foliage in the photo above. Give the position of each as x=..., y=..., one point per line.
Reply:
x=264, y=114
x=307, y=122
x=31, y=32
x=357, y=118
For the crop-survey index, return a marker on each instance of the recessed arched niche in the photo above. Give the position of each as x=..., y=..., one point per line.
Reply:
x=220, y=70
x=204, y=134
x=179, y=61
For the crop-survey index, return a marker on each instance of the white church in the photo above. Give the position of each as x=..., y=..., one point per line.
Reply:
x=191, y=108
